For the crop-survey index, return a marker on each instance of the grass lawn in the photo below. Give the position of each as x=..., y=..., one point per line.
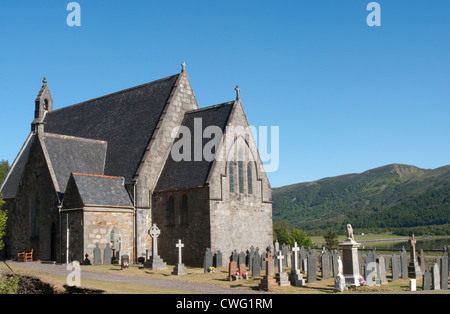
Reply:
x=196, y=275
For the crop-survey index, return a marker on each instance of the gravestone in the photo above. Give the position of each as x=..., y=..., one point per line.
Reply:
x=207, y=260
x=234, y=256
x=334, y=262
x=179, y=268
x=404, y=263
x=217, y=260
x=86, y=260
x=426, y=283
x=326, y=271
x=97, y=255
x=256, y=264
x=241, y=258
x=339, y=279
x=371, y=268
x=281, y=277
x=435, y=278
x=303, y=266
x=387, y=263
x=124, y=261
x=250, y=255
x=232, y=269
x=268, y=282
x=421, y=259
x=155, y=262
x=395, y=268
x=413, y=266
x=242, y=269
x=107, y=254
x=312, y=266
x=370, y=258
x=296, y=276
x=381, y=271
x=284, y=250
x=444, y=272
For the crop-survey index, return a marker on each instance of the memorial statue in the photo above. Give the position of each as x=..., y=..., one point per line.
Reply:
x=350, y=232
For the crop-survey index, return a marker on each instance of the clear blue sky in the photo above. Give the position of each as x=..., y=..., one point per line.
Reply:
x=346, y=97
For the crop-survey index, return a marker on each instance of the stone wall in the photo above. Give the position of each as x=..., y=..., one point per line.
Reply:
x=99, y=223
x=181, y=100
x=35, y=191
x=195, y=234
x=243, y=217
x=89, y=226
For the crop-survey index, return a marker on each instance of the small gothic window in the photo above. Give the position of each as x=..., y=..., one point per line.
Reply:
x=171, y=212
x=45, y=104
x=231, y=176
x=184, y=210
x=241, y=171
x=249, y=178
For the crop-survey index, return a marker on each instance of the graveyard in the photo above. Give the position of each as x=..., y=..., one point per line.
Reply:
x=280, y=269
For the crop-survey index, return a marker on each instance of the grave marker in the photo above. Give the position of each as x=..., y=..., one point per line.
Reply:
x=179, y=268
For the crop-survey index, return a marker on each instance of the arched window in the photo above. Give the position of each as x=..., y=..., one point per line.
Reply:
x=184, y=210
x=241, y=171
x=171, y=211
x=231, y=176
x=249, y=178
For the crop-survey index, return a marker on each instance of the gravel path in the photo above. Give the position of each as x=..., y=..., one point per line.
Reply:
x=61, y=270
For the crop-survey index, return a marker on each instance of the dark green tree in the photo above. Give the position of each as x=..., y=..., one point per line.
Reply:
x=331, y=239
x=4, y=167
x=3, y=218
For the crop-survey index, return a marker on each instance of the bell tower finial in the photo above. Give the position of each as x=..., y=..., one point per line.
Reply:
x=43, y=104
x=183, y=67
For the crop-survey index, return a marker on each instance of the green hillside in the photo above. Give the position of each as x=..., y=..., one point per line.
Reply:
x=398, y=198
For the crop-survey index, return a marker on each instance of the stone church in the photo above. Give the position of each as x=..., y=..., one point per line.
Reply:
x=103, y=171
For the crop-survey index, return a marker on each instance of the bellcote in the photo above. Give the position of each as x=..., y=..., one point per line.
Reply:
x=44, y=104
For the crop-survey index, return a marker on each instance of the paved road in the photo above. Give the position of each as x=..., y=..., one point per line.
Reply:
x=147, y=281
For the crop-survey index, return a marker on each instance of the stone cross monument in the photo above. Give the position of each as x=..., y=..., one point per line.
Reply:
x=413, y=266
x=179, y=268
x=155, y=261
x=296, y=277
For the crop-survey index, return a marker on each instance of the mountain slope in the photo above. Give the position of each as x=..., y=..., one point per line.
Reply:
x=391, y=197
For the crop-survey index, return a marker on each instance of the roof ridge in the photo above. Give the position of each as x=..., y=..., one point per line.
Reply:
x=72, y=138
x=116, y=93
x=96, y=175
x=210, y=107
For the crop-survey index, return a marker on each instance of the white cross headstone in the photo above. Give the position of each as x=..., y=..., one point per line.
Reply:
x=295, y=249
x=154, y=232
x=179, y=245
x=280, y=258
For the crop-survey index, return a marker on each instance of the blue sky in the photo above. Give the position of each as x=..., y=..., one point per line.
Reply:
x=346, y=97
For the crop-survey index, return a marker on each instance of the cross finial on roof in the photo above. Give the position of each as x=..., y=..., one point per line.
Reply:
x=238, y=92
x=44, y=80
x=183, y=67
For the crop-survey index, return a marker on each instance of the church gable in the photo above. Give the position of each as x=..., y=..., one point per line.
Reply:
x=193, y=151
x=66, y=154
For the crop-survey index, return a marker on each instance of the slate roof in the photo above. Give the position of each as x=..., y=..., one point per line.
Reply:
x=102, y=190
x=12, y=180
x=126, y=120
x=187, y=174
x=73, y=154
